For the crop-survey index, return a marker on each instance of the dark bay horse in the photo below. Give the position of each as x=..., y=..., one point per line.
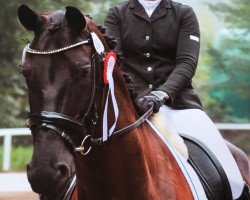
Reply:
x=134, y=166
x=67, y=94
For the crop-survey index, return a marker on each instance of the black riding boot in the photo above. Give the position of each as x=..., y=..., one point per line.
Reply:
x=245, y=194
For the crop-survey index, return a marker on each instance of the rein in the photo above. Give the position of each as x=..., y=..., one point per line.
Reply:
x=60, y=123
x=71, y=189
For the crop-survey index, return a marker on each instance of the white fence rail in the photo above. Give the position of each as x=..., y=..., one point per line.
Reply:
x=8, y=133
x=232, y=126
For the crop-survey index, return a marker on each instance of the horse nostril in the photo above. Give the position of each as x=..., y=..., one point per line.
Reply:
x=63, y=169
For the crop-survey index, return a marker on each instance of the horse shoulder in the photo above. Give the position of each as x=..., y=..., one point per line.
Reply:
x=169, y=177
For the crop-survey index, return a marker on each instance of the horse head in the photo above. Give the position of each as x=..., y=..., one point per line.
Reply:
x=60, y=84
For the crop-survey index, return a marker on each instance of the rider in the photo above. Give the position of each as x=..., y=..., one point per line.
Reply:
x=160, y=43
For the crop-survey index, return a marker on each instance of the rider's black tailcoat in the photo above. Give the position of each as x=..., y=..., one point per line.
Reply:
x=160, y=52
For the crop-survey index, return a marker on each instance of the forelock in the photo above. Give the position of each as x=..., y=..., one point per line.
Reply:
x=56, y=20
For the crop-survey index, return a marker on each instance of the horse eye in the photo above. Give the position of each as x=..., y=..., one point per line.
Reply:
x=83, y=72
x=24, y=73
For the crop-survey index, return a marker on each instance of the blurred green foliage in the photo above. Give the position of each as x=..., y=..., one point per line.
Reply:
x=235, y=13
x=20, y=156
x=230, y=61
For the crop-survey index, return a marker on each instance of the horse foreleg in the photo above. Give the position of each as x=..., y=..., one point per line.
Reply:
x=241, y=160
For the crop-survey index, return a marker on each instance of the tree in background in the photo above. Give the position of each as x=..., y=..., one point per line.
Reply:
x=230, y=78
x=11, y=89
x=100, y=9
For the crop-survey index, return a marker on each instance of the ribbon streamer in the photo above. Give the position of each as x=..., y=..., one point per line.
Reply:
x=109, y=65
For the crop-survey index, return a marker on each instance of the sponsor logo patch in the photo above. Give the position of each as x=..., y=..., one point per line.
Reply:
x=192, y=37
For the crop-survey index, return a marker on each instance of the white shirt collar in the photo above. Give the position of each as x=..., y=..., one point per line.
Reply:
x=149, y=6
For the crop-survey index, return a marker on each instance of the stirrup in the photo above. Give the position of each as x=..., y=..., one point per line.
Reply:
x=245, y=194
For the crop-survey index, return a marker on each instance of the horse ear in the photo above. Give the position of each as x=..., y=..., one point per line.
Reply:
x=75, y=18
x=28, y=18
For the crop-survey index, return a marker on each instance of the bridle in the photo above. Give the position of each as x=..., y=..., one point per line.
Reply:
x=60, y=123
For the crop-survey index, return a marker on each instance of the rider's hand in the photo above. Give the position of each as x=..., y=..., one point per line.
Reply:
x=155, y=99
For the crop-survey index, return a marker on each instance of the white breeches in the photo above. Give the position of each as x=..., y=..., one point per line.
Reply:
x=196, y=123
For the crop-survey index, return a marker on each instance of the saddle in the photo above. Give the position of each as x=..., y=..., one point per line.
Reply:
x=210, y=172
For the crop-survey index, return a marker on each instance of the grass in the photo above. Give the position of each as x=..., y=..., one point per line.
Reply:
x=20, y=156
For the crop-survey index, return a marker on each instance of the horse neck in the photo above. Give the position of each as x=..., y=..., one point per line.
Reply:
x=101, y=160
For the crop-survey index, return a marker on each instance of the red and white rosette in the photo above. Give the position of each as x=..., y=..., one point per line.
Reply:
x=109, y=65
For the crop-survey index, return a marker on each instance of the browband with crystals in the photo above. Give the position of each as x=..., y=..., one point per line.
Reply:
x=32, y=51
